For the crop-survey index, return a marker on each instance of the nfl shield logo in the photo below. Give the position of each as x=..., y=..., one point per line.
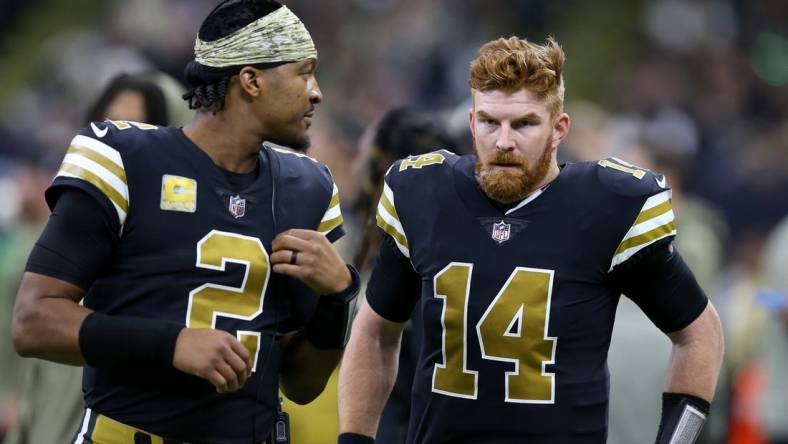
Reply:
x=501, y=232
x=237, y=206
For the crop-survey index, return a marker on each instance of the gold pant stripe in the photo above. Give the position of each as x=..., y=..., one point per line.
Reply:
x=109, y=431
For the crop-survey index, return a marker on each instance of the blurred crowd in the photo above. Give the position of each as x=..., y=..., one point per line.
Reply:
x=695, y=89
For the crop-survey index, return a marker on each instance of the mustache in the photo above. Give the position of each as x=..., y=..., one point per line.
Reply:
x=506, y=158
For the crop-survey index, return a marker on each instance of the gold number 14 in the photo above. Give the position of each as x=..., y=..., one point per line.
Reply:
x=512, y=329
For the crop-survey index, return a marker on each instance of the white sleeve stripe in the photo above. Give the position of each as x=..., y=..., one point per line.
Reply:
x=332, y=213
x=649, y=225
x=628, y=253
x=388, y=228
x=655, y=200
x=389, y=194
x=111, y=179
x=335, y=191
x=391, y=220
x=119, y=210
x=99, y=147
x=403, y=249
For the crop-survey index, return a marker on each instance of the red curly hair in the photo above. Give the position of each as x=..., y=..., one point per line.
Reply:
x=514, y=63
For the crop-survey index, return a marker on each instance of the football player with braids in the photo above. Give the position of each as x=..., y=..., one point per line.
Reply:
x=201, y=255
x=516, y=265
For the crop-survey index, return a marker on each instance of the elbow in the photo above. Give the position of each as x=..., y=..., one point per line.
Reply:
x=305, y=393
x=23, y=330
x=719, y=336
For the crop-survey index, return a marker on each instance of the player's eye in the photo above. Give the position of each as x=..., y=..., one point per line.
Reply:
x=523, y=123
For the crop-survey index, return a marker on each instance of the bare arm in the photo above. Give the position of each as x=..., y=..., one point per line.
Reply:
x=368, y=371
x=696, y=356
x=46, y=319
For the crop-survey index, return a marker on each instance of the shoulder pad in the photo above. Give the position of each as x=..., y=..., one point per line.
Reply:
x=116, y=133
x=629, y=180
x=95, y=161
x=419, y=162
x=290, y=155
x=314, y=179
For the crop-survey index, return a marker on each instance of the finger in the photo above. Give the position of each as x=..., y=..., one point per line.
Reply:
x=239, y=349
x=218, y=381
x=229, y=376
x=289, y=270
x=283, y=256
x=239, y=366
x=301, y=233
x=289, y=242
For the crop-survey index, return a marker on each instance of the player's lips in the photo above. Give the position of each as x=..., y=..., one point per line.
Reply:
x=505, y=165
x=308, y=118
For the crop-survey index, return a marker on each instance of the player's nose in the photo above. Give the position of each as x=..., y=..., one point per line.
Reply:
x=504, y=142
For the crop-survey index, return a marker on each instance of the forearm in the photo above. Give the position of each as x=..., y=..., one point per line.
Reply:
x=305, y=369
x=366, y=378
x=696, y=359
x=49, y=327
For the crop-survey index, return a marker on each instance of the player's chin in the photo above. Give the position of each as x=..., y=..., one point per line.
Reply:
x=299, y=141
x=503, y=184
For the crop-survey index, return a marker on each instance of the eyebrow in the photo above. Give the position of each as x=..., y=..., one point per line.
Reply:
x=529, y=116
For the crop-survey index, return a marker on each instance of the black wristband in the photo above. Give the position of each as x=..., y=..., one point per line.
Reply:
x=682, y=419
x=351, y=291
x=329, y=327
x=124, y=342
x=355, y=438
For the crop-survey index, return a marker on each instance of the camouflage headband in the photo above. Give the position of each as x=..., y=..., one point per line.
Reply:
x=277, y=37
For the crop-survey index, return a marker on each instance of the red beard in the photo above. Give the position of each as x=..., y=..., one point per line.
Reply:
x=511, y=185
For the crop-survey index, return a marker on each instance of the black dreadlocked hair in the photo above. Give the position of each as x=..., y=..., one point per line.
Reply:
x=401, y=132
x=208, y=85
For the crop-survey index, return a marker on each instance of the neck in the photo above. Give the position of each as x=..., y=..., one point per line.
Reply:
x=552, y=173
x=229, y=142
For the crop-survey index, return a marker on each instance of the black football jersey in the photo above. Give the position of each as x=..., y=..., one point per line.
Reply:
x=517, y=306
x=194, y=249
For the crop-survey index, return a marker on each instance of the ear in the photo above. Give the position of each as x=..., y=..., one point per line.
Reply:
x=251, y=80
x=470, y=112
x=560, y=128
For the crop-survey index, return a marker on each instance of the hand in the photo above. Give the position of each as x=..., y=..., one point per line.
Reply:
x=213, y=355
x=317, y=263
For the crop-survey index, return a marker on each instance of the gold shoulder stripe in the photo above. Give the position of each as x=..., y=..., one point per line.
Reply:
x=109, y=165
x=388, y=228
x=330, y=224
x=646, y=237
x=384, y=200
x=99, y=183
x=334, y=201
x=653, y=212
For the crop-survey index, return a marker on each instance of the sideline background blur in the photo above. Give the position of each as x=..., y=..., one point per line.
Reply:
x=697, y=89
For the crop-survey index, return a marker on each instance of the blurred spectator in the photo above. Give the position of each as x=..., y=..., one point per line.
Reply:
x=773, y=351
x=50, y=395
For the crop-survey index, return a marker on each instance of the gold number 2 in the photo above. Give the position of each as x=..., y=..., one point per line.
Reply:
x=512, y=329
x=209, y=301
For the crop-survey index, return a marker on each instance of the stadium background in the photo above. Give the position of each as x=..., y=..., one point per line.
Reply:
x=697, y=87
